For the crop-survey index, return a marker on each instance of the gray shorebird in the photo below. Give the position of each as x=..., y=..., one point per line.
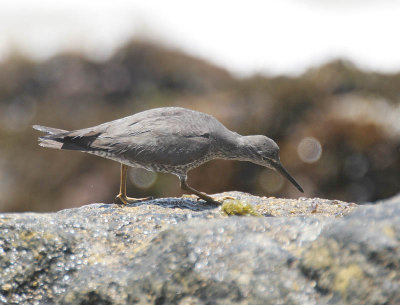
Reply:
x=169, y=140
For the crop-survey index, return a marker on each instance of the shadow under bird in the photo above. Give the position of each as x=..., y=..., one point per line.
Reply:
x=169, y=140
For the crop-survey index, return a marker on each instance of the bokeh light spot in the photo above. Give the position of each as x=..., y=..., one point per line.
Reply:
x=142, y=178
x=270, y=181
x=309, y=150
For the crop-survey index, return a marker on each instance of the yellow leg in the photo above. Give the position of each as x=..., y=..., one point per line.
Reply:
x=199, y=194
x=121, y=197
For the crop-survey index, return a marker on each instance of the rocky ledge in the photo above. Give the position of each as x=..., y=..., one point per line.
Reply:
x=179, y=251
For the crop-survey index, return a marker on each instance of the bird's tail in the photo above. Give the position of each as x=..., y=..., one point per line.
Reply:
x=48, y=130
x=72, y=140
x=48, y=140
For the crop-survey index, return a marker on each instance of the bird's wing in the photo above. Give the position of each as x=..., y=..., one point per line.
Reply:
x=166, y=139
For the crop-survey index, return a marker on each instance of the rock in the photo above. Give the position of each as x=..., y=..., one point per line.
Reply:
x=356, y=260
x=179, y=251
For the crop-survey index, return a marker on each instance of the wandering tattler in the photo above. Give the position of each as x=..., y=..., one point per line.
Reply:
x=169, y=140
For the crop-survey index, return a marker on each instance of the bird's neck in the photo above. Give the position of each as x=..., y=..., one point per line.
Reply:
x=234, y=147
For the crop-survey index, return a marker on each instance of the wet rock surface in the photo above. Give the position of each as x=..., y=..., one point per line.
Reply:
x=179, y=251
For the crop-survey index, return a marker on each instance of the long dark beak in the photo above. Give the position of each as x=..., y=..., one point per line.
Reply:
x=279, y=167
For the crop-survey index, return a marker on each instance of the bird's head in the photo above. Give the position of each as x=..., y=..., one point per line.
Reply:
x=264, y=151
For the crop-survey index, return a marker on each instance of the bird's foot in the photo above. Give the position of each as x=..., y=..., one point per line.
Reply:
x=220, y=200
x=123, y=199
x=212, y=201
x=194, y=197
x=208, y=199
x=223, y=198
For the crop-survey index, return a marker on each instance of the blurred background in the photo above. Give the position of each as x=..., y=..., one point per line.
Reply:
x=319, y=77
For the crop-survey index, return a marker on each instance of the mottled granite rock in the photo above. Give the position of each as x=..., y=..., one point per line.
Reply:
x=179, y=251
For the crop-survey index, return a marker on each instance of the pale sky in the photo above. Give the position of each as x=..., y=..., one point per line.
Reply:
x=274, y=37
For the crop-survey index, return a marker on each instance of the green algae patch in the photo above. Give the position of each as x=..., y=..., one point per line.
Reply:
x=238, y=207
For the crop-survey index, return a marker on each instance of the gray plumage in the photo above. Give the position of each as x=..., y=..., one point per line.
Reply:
x=172, y=140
